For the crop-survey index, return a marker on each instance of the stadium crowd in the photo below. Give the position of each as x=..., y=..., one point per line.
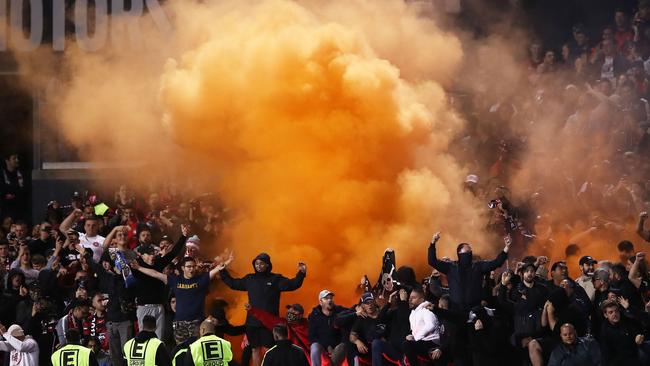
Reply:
x=122, y=280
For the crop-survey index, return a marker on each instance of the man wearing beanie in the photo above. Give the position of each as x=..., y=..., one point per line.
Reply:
x=264, y=288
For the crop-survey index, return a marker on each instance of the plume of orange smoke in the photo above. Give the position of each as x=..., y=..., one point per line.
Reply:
x=328, y=155
x=323, y=131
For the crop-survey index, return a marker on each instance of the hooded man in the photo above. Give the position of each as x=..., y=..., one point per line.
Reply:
x=264, y=288
x=465, y=276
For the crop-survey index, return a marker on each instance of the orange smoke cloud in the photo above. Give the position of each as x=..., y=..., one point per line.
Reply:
x=328, y=155
x=322, y=130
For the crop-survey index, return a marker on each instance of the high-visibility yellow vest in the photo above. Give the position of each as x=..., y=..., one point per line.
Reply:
x=178, y=354
x=211, y=350
x=71, y=355
x=141, y=354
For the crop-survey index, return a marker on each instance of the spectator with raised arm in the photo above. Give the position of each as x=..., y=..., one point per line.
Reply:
x=264, y=288
x=23, y=349
x=90, y=238
x=151, y=293
x=465, y=276
x=190, y=289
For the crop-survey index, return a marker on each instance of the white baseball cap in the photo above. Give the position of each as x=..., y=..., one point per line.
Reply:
x=324, y=294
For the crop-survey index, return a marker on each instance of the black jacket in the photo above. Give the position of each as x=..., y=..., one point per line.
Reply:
x=285, y=353
x=162, y=356
x=151, y=290
x=121, y=299
x=397, y=323
x=617, y=343
x=465, y=277
x=263, y=288
x=323, y=329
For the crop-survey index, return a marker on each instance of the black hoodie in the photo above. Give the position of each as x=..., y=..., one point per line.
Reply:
x=465, y=277
x=263, y=288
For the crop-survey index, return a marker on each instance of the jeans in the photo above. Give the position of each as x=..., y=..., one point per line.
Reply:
x=336, y=357
x=119, y=333
x=155, y=310
x=379, y=348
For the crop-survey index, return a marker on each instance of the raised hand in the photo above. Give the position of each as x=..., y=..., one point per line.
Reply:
x=505, y=278
x=77, y=213
x=435, y=237
x=507, y=240
x=185, y=230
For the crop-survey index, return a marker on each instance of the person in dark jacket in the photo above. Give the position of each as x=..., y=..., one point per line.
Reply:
x=487, y=338
x=264, y=288
x=395, y=316
x=324, y=334
x=574, y=350
x=120, y=311
x=284, y=353
x=619, y=337
x=465, y=277
x=152, y=293
x=524, y=303
x=12, y=189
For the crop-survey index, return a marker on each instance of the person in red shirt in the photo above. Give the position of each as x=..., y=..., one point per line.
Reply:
x=295, y=321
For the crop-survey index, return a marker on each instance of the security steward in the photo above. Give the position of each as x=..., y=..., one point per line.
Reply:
x=209, y=350
x=145, y=349
x=284, y=352
x=73, y=353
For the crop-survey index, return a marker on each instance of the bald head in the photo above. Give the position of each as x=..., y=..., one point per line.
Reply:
x=568, y=334
x=207, y=327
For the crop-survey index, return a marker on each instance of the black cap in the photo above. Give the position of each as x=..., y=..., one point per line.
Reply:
x=367, y=296
x=296, y=307
x=147, y=249
x=587, y=259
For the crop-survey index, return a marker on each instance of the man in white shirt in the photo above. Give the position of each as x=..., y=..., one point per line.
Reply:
x=23, y=349
x=91, y=238
x=426, y=330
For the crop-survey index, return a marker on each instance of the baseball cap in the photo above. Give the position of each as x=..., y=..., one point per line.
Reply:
x=16, y=331
x=147, y=249
x=472, y=178
x=323, y=294
x=587, y=259
x=296, y=307
x=367, y=296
